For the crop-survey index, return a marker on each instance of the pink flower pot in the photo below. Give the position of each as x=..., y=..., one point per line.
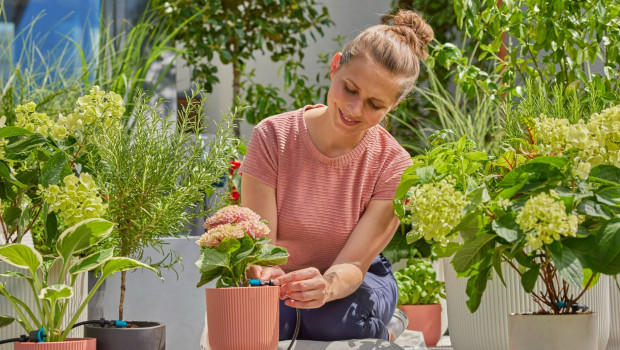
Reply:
x=425, y=319
x=68, y=344
x=243, y=318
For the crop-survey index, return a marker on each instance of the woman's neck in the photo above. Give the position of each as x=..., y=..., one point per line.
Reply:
x=323, y=135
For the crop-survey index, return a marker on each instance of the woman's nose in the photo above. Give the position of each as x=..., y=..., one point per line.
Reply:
x=355, y=107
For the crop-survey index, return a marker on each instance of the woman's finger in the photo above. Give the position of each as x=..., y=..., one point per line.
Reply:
x=298, y=275
x=311, y=304
x=308, y=295
x=304, y=285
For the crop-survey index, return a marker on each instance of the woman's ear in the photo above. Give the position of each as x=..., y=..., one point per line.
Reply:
x=335, y=64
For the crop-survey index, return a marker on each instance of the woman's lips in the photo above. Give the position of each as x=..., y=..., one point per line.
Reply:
x=346, y=121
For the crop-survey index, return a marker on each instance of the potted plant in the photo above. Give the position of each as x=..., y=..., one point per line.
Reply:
x=544, y=208
x=235, y=239
x=45, y=182
x=53, y=294
x=418, y=297
x=155, y=176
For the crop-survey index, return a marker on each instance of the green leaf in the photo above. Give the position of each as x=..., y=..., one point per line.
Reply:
x=604, y=173
x=603, y=250
x=11, y=216
x=592, y=208
x=587, y=274
x=533, y=174
x=26, y=144
x=21, y=255
x=118, y=264
x=425, y=174
x=51, y=228
x=471, y=252
x=247, y=246
x=55, y=292
x=496, y=261
x=82, y=236
x=567, y=263
x=209, y=275
x=52, y=169
x=413, y=236
x=609, y=196
x=507, y=228
x=555, y=161
x=271, y=255
x=6, y=320
x=211, y=258
x=476, y=285
x=477, y=156
x=229, y=245
x=92, y=261
x=529, y=277
x=444, y=251
x=9, y=131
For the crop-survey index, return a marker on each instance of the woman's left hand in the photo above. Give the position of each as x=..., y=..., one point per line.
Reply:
x=303, y=289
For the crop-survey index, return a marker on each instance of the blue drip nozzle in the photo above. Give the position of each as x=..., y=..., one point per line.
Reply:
x=120, y=324
x=258, y=283
x=41, y=335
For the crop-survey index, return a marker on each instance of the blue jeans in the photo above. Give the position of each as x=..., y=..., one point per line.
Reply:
x=362, y=314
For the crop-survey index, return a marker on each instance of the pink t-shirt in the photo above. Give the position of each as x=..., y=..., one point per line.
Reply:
x=320, y=199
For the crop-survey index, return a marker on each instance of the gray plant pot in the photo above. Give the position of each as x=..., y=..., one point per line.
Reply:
x=149, y=336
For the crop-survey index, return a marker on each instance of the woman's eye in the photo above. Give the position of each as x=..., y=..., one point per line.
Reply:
x=373, y=106
x=347, y=90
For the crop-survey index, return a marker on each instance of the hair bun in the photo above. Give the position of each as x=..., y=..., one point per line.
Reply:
x=414, y=30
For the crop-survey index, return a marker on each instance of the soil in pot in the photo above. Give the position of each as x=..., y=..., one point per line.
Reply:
x=144, y=336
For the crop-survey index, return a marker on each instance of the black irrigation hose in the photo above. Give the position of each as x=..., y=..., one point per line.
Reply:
x=12, y=340
x=290, y=346
x=39, y=336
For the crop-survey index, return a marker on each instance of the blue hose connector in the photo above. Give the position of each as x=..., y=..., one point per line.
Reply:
x=258, y=283
x=120, y=324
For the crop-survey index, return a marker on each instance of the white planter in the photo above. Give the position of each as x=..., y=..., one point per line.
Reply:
x=614, y=306
x=553, y=332
x=21, y=289
x=487, y=328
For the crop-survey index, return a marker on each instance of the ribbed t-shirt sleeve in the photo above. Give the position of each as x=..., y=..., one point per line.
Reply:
x=390, y=177
x=261, y=159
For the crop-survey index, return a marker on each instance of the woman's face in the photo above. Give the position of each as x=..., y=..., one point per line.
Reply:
x=362, y=92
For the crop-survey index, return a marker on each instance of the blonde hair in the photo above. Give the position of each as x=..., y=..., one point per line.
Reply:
x=397, y=47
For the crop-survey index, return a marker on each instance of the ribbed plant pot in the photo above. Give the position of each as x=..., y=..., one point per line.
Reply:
x=68, y=344
x=614, y=324
x=425, y=319
x=243, y=318
x=148, y=336
x=553, y=332
x=487, y=328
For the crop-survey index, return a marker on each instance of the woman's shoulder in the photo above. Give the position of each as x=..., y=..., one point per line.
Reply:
x=280, y=123
x=387, y=144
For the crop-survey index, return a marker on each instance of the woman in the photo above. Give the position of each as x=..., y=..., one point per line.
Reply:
x=325, y=177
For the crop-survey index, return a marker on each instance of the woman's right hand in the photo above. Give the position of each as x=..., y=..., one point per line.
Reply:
x=265, y=273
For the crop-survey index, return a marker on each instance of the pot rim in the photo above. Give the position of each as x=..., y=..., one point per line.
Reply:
x=591, y=313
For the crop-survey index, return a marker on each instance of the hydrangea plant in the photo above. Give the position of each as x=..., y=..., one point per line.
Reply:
x=551, y=213
x=235, y=239
x=45, y=184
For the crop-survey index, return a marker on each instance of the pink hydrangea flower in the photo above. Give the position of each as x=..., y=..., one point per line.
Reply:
x=231, y=214
x=232, y=222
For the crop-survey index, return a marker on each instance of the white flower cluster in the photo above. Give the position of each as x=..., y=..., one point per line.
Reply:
x=33, y=121
x=544, y=220
x=97, y=106
x=435, y=209
x=77, y=200
x=597, y=142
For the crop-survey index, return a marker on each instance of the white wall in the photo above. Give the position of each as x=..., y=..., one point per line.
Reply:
x=350, y=17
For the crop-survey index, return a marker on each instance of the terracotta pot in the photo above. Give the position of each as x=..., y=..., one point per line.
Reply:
x=68, y=344
x=243, y=318
x=551, y=332
x=425, y=319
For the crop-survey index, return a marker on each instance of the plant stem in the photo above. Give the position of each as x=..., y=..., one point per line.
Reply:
x=120, y=305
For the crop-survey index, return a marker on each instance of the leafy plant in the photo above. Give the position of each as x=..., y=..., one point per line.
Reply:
x=555, y=41
x=418, y=285
x=235, y=240
x=52, y=293
x=235, y=30
x=40, y=192
x=548, y=211
x=156, y=177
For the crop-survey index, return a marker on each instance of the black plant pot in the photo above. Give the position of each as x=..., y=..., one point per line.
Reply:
x=149, y=336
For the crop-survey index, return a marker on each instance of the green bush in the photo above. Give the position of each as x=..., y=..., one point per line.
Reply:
x=418, y=285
